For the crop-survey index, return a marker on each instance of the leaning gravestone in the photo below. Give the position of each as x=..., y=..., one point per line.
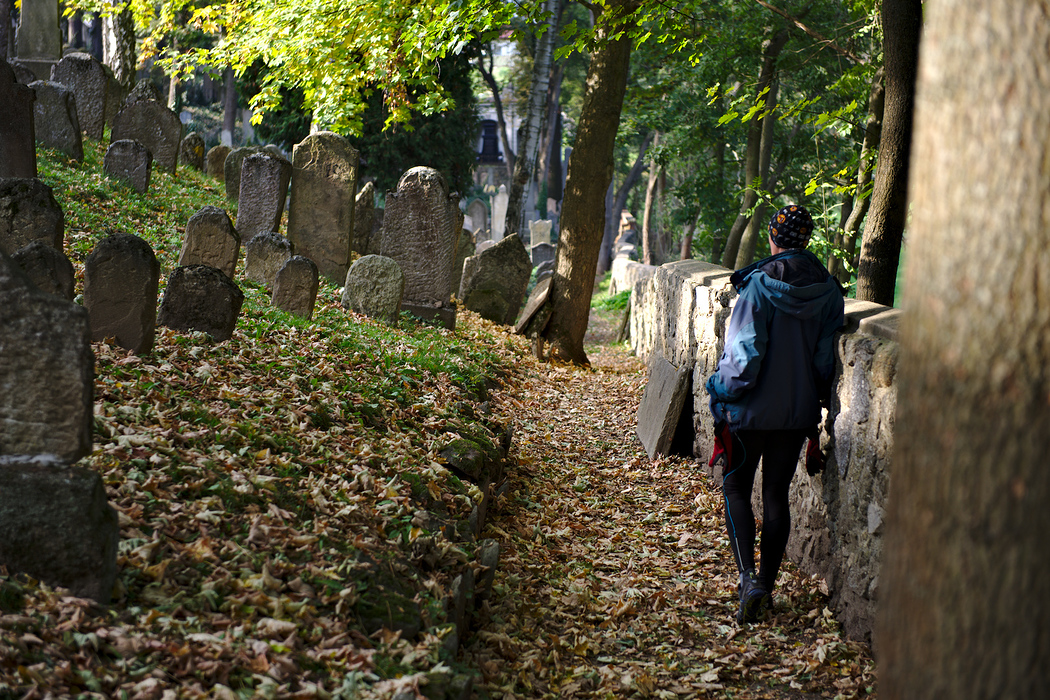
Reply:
x=494, y=281
x=660, y=413
x=264, y=189
x=121, y=278
x=191, y=151
x=29, y=212
x=375, y=287
x=216, y=162
x=464, y=250
x=17, y=138
x=201, y=298
x=295, y=288
x=55, y=118
x=86, y=77
x=542, y=252
x=499, y=213
x=420, y=233
x=46, y=371
x=211, y=240
x=151, y=123
x=231, y=170
x=364, y=218
x=321, y=213
x=537, y=311
x=479, y=217
x=265, y=255
x=39, y=37
x=129, y=161
x=48, y=269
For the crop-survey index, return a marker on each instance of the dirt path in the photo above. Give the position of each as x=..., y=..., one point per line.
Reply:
x=615, y=578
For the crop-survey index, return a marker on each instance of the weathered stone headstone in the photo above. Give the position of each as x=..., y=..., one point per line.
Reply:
x=499, y=213
x=48, y=269
x=544, y=269
x=375, y=287
x=542, y=252
x=29, y=212
x=231, y=170
x=152, y=124
x=211, y=240
x=39, y=37
x=479, y=217
x=57, y=525
x=540, y=231
x=191, y=151
x=17, y=133
x=482, y=246
x=295, y=289
x=201, y=298
x=46, y=371
x=324, y=192
x=537, y=311
x=216, y=162
x=55, y=118
x=129, y=161
x=86, y=77
x=494, y=282
x=264, y=190
x=420, y=233
x=121, y=278
x=264, y=256
x=364, y=219
x=660, y=411
x=116, y=93
x=23, y=74
x=464, y=250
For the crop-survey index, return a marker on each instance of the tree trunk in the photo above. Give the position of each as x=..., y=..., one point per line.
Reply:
x=590, y=172
x=497, y=101
x=525, y=163
x=884, y=233
x=686, y=251
x=966, y=578
x=554, y=167
x=617, y=204
x=173, y=81
x=650, y=245
x=552, y=131
x=770, y=52
x=229, y=106
x=118, y=45
x=757, y=225
x=717, y=239
x=5, y=27
x=861, y=201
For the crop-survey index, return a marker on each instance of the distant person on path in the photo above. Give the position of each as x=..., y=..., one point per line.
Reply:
x=766, y=395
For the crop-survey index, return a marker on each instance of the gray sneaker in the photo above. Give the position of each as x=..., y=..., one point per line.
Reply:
x=754, y=598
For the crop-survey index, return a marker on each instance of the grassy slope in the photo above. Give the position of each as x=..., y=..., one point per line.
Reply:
x=263, y=485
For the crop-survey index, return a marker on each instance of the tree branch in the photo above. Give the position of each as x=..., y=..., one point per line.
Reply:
x=813, y=33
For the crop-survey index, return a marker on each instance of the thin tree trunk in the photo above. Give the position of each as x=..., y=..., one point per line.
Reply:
x=497, y=101
x=686, y=252
x=118, y=45
x=649, y=242
x=884, y=233
x=718, y=240
x=965, y=577
x=757, y=225
x=229, y=106
x=617, y=204
x=552, y=122
x=5, y=27
x=173, y=81
x=554, y=168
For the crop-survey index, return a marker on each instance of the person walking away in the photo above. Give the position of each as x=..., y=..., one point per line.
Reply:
x=774, y=375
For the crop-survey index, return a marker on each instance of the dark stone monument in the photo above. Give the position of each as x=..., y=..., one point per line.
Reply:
x=375, y=287
x=151, y=123
x=201, y=298
x=29, y=212
x=231, y=171
x=364, y=220
x=495, y=280
x=295, y=289
x=191, y=152
x=263, y=191
x=55, y=118
x=39, y=37
x=661, y=410
x=464, y=250
x=264, y=256
x=542, y=252
x=537, y=312
x=211, y=240
x=121, y=278
x=86, y=77
x=216, y=162
x=129, y=161
x=17, y=133
x=49, y=269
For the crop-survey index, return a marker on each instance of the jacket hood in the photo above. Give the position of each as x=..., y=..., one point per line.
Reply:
x=794, y=282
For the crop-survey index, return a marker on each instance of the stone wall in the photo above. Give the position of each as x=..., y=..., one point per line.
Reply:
x=681, y=313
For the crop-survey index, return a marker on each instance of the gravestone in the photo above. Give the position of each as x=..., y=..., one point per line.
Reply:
x=129, y=161
x=375, y=241
x=482, y=246
x=295, y=288
x=540, y=231
x=39, y=37
x=542, y=252
x=264, y=189
x=57, y=525
x=464, y=249
x=420, y=232
x=216, y=162
x=17, y=133
x=231, y=170
x=55, y=118
x=121, y=277
x=46, y=371
x=537, y=311
x=116, y=93
x=375, y=287
x=499, y=213
x=211, y=240
x=191, y=151
x=265, y=255
x=479, y=217
x=23, y=74
x=151, y=123
x=201, y=298
x=660, y=413
x=494, y=281
x=364, y=219
x=48, y=269
x=86, y=77
x=324, y=193
x=29, y=212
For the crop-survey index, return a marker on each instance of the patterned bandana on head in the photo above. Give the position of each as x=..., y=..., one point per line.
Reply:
x=791, y=227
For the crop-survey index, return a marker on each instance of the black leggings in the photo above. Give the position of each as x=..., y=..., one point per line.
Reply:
x=779, y=451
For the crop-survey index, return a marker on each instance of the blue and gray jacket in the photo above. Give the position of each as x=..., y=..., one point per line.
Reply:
x=779, y=352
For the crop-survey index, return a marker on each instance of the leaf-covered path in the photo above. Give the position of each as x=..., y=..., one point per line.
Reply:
x=615, y=578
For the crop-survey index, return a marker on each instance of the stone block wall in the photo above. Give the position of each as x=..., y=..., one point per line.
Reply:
x=681, y=313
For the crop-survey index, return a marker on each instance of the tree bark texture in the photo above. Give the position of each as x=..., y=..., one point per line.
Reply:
x=884, y=232
x=118, y=45
x=5, y=27
x=757, y=225
x=229, y=103
x=590, y=172
x=552, y=130
x=650, y=243
x=617, y=204
x=965, y=580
